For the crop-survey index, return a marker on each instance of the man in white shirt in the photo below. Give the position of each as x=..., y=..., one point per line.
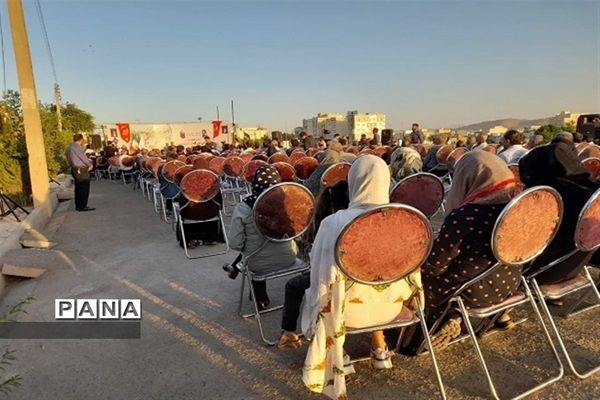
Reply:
x=513, y=149
x=480, y=141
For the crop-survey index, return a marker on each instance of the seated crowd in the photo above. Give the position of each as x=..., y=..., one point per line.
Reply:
x=482, y=185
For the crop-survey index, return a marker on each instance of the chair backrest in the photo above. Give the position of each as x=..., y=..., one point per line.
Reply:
x=296, y=155
x=283, y=212
x=216, y=165
x=305, y=167
x=454, y=156
x=157, y=166
x=190, y=159
x=200, y=185
x=181, y=172
x=490, y=149
x=592, y=164
x=383, y=150
x=587, y=231
x=202, y=161
x=182, y=158
x=279, y=157
x=261, y=157
x=423, y=191
x=250, y=169
x=101, y=161
x=244, y=156
x=384, y=244
x=367, y=152
x=519, y=185
x=170, y=168
x=590, y=150
x=286, y=171
x=336, y=173
x=233, y=166
x=527, y=225
x=127, y=161
x=114, y=161
x=442, y=154
x=420, y=148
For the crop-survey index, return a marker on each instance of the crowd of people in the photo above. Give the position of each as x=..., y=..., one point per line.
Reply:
x=482, y=185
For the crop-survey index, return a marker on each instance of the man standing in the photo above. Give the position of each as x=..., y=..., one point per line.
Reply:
x=80, y=167
x=377, y=136
x=416, y=135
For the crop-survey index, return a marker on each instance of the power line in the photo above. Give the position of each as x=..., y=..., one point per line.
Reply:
x=38, y=7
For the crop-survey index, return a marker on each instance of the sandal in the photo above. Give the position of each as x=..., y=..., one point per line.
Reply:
x=289, y=340
x=450, y=331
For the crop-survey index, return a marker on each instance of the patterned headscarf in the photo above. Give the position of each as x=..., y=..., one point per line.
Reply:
x=265, y=177
x=404, y=162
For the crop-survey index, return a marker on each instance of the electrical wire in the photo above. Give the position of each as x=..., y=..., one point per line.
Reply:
x=38, y=7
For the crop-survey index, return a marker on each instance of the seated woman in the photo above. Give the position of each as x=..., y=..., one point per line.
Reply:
x=481, y=188
x=405, y=161
x=207, y=233
x=331, y=200
x=557, y=165
x=330, y=157
x=332, y=303
x=244, y=236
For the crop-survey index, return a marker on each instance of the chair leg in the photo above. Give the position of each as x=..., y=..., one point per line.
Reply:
x=592, y=290
x=465, y=315
x=184, y=240
x=540, y=296
x=241, y=304
x=436, y=368
x=257, y=312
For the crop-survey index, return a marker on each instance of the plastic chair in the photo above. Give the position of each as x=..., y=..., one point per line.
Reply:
x=286, y=171
x=281, y=214
x=587, y=239
x=336, y=173
x=200, y=188
x=592, y=164
x=521, y=233
x=423, y=191
x=441, y=156
x=305, y=167
x=407, y=245
x=454, y=156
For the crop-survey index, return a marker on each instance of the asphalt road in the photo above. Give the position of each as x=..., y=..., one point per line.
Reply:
x=193, y=344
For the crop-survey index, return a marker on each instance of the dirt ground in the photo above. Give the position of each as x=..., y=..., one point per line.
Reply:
x=194, y=346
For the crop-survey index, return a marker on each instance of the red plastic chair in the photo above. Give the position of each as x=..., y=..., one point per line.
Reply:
x=336, y=173
x=423, y=191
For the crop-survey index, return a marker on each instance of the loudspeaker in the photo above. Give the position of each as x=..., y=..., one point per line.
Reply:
x=95, y=142
x=386, y=135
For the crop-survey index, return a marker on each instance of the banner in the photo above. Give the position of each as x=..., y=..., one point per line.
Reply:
x=216, y=128
x=124, y=132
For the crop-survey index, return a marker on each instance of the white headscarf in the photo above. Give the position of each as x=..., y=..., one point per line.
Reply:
x=368, y=182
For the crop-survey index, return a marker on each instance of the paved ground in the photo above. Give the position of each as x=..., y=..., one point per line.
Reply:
x=194, y=346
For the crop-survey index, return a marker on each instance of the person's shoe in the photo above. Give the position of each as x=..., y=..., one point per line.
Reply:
x=289, y=340
x=381, y=358
x=232, y=271
x=263, y=304
x=85, y=209
x=450, y=331
x=348, y=366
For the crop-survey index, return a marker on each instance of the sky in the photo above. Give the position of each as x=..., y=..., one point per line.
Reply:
x=443, y=64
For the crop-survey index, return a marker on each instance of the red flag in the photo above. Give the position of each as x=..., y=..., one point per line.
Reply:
x=124, y=131
x=216, y=128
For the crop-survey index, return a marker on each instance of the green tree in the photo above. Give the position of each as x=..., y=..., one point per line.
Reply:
x=14, y=174
x=550, y=131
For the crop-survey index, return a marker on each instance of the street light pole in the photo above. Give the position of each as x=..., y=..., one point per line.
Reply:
x=38, y=168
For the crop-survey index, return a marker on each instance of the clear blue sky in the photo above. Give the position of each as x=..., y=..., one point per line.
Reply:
x=439, y=63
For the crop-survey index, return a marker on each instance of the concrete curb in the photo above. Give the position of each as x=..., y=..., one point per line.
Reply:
x=37, y=219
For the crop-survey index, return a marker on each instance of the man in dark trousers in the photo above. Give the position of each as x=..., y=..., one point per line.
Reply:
x=80, y=169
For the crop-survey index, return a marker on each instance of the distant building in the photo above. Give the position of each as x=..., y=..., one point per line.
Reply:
x=363, y=124
x=497, y=130
x=566, y=118
x=257, y=133
x=326, y=125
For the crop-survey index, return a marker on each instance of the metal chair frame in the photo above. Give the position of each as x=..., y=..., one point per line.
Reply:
x=418, y=314
x=181, y=222
x=588, y=284
x=430, y=175
x=456, y=303
x=248, y=276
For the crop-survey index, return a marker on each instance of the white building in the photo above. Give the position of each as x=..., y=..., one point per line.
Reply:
x=497, y=130
x=257, y=133
x=363, y=124
x=326, y=125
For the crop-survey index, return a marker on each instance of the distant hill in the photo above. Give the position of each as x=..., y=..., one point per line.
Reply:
x=512, y=123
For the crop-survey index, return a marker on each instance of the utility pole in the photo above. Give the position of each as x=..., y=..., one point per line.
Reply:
x=58, y=102
x=38, y=168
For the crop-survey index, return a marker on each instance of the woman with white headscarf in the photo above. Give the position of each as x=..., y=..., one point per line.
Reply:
x=330, y=306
